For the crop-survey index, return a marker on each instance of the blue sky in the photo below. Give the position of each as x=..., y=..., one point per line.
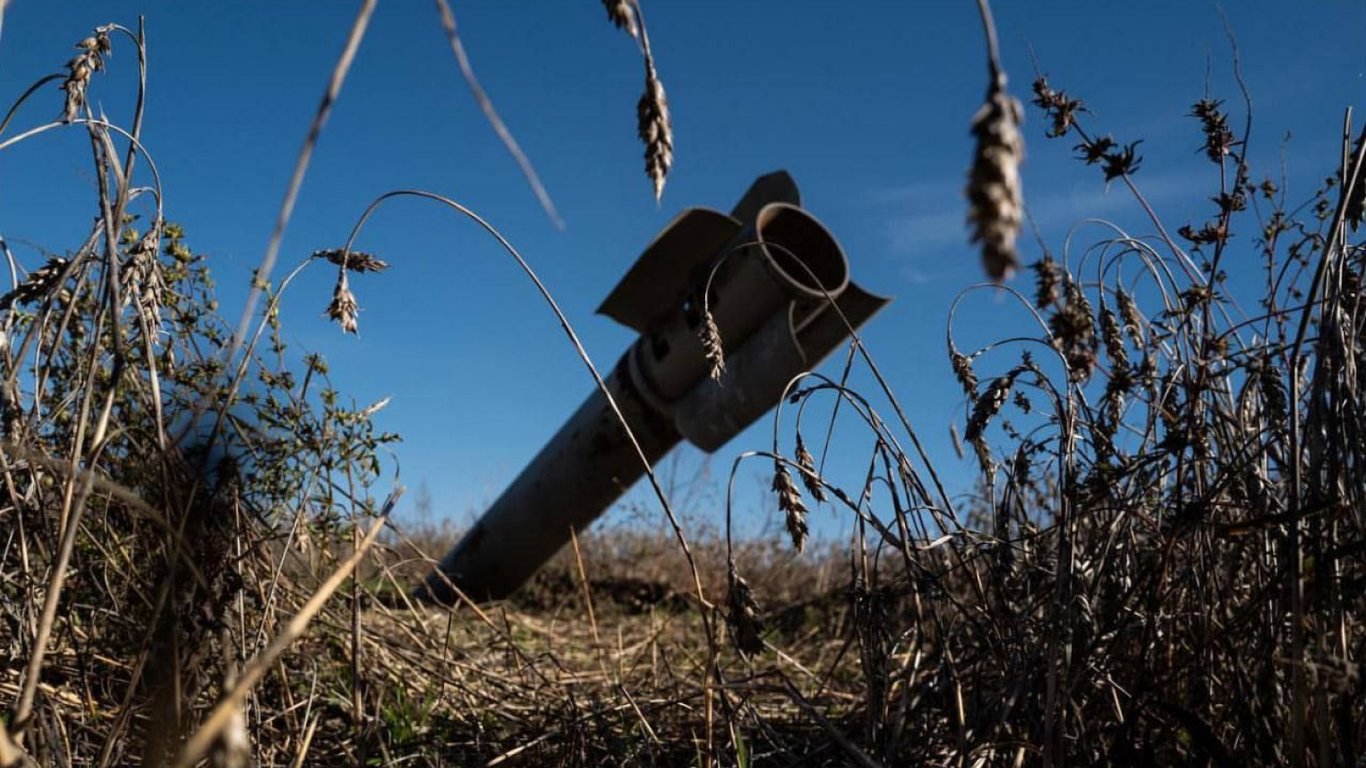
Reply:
x=866, y=104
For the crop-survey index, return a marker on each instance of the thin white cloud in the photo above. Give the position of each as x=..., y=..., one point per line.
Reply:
x=936, y=213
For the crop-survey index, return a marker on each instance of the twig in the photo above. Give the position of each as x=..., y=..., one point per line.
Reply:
x=491, y=114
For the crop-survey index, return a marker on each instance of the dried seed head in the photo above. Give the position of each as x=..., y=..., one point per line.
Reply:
x=791, y=504
x=1116, y=389
x=149, y=242
x=343, y=307
x=39, y=284
x=655, y=128
x=711, y=345
x=1147, y=373
x=995, y=202
x=1114, y=338
x=746, y=624
x=1122, y=162
x=988, y=405
x=1047, y=277
x=86, y=63
x=1074, y=332
x=1219, y=138
x=356, y=261
x=1212, y=233
x=620, y=13
x=1128, y=310
x=143, y=278
x=962, y=370
x=1060, y=109
x=810, y=478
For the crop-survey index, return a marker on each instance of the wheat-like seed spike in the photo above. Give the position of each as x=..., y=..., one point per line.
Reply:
x=743, y=616
x=1047, y=277
x=38, y=285
x=1113, y=336
x=343, y=307
x=1074, y=331
x=86, y=63
x=143, y=275
x=655, y=128
x=988, y=405
x=621, y=14
x=1128, y=310
x=995, y=200
x=144, y=280
x=711, y=345
x=791, y=504
x=962, y=370
x=356, y=261
x=810, y=478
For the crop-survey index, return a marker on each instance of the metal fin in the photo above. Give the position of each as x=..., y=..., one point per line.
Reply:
x=655, y=285
x=776, y=187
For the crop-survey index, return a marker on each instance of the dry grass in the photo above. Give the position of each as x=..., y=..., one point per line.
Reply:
x=1163, y=564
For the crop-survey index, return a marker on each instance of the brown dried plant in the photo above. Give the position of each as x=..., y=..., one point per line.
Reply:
x=712, y=348
x=40, y=283
x=743, y=615
x=79, y=70
x=343, y=307
x=655, y=128
x=356, y=261
x=790, y=504
x=622, y=14
x=962, y=371
x=1047, y=279
x=1074, y=331
x=810, y=477
x=653, y=124
x=995, y=199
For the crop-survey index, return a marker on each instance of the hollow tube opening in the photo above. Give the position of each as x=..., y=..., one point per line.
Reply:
x=801, y=251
